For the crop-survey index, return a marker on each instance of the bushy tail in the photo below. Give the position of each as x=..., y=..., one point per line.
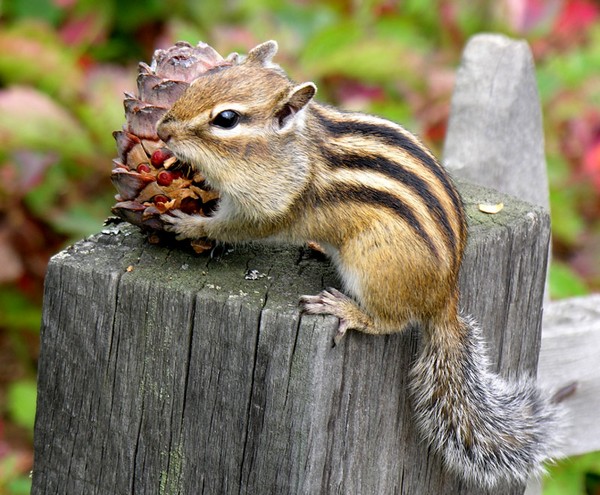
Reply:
x=486, y=429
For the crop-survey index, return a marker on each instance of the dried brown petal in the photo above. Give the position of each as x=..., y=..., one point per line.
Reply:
x=151, y=146
x=169, y=162
x=133, y=206
x=160, y=199
x=201, y=245
x=129, y=184
x=158, y=92
x=151, y=190
x=125, y=141
x=179, y=193
x=207, y=196
x=184, y=62
x=152, y=210
x=118, y=164
x=136, y=155
x=145, y=82
x=133, y=212
x=163, y=207
x=143, y=121
x=198, y=179
x=144, y=68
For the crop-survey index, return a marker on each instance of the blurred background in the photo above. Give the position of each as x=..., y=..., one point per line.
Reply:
x=64, y=65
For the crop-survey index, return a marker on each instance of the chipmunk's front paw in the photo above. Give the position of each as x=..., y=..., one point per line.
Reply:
x=331, y=302
x=186, y=226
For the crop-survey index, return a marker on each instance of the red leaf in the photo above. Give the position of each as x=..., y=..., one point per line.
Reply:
x=575, y=16
x=591, y=164
x=82, y=30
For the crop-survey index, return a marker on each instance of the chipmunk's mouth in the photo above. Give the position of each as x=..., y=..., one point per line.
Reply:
x=163, y=181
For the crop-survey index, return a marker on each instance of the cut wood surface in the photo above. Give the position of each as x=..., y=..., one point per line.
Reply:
x=166, y=372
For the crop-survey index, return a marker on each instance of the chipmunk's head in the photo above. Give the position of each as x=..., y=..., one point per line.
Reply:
x=236, y=114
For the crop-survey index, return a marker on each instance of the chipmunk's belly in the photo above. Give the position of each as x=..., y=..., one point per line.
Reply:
x=350, y=277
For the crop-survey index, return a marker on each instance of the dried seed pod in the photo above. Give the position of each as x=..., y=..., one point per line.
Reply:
x=149, y=179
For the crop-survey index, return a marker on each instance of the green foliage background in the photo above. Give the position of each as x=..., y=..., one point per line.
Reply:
x=64, y=65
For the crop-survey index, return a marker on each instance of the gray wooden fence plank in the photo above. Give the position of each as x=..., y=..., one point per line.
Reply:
x=165, y=372
x=495, y=131
x=571, y=352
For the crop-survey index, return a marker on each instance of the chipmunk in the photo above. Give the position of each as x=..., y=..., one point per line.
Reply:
x=392, y=222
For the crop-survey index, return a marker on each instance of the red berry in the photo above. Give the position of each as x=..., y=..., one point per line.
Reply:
x=159, y=156
x=164, y=178
x=160, y=198
x=143, y=167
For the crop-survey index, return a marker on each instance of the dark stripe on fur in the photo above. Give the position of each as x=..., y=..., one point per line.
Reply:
x=366, y=195
x=397, y=172
x=391, y=137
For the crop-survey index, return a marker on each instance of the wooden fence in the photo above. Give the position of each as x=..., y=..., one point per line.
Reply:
x=164, y=372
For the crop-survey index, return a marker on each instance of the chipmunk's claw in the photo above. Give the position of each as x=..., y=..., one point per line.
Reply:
x=186, y=226
x=341, y=331
x=329, y=302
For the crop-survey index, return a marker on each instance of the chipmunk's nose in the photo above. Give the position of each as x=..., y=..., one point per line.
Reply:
x=163, y=129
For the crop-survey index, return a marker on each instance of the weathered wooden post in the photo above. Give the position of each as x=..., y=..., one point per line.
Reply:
x=165, y=372
x=496, y=138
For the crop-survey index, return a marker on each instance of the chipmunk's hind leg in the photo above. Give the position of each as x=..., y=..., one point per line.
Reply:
x=332, y=302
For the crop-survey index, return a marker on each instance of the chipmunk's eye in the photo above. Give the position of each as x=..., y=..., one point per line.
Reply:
x=227, y=119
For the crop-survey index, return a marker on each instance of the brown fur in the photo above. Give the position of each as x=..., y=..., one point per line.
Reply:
x=415, y=280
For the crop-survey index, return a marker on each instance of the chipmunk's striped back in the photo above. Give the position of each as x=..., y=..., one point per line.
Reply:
x=399, y=174
x=378, y=199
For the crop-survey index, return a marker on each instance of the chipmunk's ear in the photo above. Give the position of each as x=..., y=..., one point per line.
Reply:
x=301, y=95
x=295, y=101
x=262, y=54
x=233, y=58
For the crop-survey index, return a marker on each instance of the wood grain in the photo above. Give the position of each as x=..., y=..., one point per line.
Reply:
x=180, y=376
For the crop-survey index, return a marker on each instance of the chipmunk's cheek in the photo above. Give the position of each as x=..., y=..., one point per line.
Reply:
x=177, y=147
